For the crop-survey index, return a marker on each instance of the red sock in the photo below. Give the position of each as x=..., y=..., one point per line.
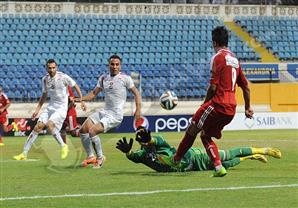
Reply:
x=211, y=150
x=1, y=140
x=184, y=145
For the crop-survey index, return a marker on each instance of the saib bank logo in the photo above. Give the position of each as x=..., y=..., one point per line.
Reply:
x=249, y=122
x=143, y=121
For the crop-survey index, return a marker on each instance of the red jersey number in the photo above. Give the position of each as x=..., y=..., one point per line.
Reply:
x=234, y=78
x=234, y=63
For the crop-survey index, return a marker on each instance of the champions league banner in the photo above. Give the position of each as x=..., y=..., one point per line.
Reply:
x=175, y=123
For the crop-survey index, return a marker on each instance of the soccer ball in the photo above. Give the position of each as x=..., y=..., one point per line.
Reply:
x=168, y=100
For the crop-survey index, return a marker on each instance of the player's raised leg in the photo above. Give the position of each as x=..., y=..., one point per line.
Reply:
x=53, y=128
x=93, y=133
x=243, y=153
x=185, y=144
x=212, y=151
x=86, y=142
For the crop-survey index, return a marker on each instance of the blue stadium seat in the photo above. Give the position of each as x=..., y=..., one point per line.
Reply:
x=91, y=39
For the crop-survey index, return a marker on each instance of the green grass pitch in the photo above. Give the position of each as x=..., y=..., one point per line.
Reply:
x=46, y=181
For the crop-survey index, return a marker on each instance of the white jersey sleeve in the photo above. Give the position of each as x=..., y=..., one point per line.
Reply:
x=44, y=84
x=68, y=81
x=129, y=82
x=100, y=82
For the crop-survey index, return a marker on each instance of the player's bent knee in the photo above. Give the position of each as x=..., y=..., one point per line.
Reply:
x=86, y=126
x=51, y=127
x=39, y=127
x=204, y=136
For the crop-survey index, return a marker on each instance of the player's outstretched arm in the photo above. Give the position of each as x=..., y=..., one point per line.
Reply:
x=138, y=101
x=78, y=89
x=124, y=146
x=91, y=95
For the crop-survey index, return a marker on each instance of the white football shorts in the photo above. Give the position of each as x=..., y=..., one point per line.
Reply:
x=107, y=119
x=57, y=116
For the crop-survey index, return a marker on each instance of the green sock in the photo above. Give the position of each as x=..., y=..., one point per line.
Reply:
x=231, y=163
x=238, y=152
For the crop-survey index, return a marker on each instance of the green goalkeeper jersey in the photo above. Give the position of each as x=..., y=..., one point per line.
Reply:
x=194, y=159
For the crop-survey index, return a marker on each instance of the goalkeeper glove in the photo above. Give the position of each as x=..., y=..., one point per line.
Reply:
x=123, y=146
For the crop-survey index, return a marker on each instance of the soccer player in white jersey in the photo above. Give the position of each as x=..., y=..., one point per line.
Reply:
x=114, y=84
x=55, y=85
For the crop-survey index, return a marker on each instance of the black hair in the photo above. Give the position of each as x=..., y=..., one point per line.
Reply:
x=143, y=135
x=115, y=56
x=220, y=36
x=50, y=61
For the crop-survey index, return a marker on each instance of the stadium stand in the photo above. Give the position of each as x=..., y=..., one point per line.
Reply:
x=165, y=50
x=279, y=34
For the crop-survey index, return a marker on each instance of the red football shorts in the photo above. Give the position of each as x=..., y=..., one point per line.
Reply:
x=71, y=120
x=3, y=119
x=211, y=121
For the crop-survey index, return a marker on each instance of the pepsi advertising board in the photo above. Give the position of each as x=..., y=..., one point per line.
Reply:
x=23, y=126
x=175, y=123
x=155, y=123
x=261, y=72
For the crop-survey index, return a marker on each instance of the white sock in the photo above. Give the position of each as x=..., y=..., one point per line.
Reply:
x=218, y=167
x=30, y=140
x=86, y=141
x=97, y=146
x=58, y=138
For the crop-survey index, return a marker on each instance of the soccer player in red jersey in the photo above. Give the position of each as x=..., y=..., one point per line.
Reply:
x=219, y=106
x=70, y=123
x=4, y=104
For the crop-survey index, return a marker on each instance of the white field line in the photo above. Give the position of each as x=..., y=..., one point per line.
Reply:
x=146, y=192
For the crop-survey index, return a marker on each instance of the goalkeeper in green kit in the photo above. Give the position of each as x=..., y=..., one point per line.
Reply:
x=195, y=159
